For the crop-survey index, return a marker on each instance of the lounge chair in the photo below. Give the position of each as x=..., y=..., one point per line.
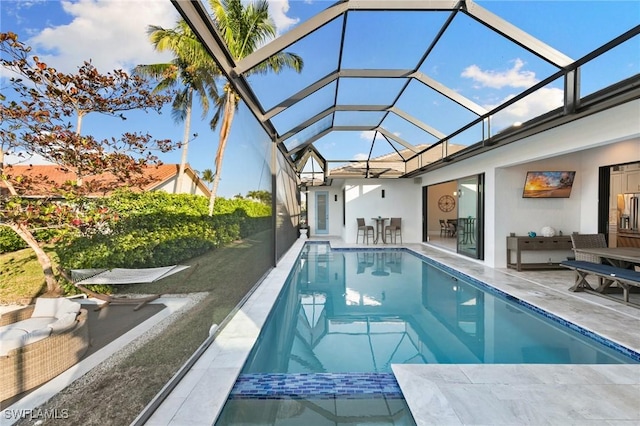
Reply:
x=38, y=342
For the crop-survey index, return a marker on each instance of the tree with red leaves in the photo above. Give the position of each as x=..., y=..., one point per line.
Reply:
x=37, y=122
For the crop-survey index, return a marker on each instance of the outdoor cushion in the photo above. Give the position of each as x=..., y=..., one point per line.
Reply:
x=11, y=339
x=54, y=307
x=16, y=337
x=29, y=324
x=63, y=323
x=35, y=335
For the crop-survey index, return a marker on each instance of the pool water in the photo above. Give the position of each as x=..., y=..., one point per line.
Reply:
x=345, y=316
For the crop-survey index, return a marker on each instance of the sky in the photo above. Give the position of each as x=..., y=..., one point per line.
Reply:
x=475, y=63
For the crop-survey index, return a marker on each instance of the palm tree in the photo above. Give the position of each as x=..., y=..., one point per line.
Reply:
x=244, y=29
x=192, y=70
x=208, y=176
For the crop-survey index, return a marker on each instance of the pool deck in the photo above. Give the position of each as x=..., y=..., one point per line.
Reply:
x=451, y=394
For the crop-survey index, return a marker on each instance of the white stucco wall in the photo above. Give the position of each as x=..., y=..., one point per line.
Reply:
x=607, y=138
x=334, y=204
x=189, y=186
x=402, y=199
x=363, y=198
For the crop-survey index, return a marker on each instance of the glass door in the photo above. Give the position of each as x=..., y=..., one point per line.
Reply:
x=322, y=212
x=470, y=231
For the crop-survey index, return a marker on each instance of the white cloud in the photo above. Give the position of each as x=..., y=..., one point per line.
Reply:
x=360, y=156
x=367, y=135
x=278, y=10
x=25, y=159
x=539, y=102
x=111, y=33
x=514, y=77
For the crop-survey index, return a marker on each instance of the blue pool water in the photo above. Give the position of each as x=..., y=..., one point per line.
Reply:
x=345, y=316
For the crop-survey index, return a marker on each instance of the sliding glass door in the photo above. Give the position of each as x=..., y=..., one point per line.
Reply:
x=470, y=235
x=453, y=215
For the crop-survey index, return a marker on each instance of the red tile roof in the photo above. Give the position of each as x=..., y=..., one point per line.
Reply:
x=47, y=177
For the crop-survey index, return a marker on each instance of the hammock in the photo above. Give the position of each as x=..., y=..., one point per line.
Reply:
x=117, y=276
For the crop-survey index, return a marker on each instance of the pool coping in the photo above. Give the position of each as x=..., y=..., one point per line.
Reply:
x=202, y=393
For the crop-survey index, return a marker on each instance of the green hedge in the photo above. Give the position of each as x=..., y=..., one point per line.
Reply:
x=10, y=241
x=158, y=229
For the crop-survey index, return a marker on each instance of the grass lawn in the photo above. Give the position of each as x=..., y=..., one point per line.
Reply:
x=21, y=277
x=117, y=397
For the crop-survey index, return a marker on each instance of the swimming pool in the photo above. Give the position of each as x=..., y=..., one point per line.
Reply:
x=345, y=316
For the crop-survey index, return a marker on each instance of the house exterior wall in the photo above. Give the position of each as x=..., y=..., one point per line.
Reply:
x=363, y=198
x=335, y=220
x=584, y=145
x=189, y=186
x=605, y=138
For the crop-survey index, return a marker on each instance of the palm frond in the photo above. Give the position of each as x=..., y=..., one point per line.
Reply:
x=278, y=62
x=180, y=105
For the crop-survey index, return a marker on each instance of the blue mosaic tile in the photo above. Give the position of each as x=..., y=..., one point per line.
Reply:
x=316, y=385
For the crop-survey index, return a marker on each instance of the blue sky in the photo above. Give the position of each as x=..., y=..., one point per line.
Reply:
x=112, y=33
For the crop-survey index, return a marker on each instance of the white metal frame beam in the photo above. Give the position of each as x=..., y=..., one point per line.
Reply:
x=516, y=35
x=198, y=18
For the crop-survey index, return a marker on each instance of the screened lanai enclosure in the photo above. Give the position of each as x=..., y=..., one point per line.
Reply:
x=425, y=96
x=381, y=95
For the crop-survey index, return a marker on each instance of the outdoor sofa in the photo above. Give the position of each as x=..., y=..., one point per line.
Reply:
x=40, y=341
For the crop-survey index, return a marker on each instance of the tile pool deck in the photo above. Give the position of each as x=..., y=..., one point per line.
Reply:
x=451, y=394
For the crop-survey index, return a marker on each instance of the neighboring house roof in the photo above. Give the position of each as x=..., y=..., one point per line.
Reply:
x=157, y=176
x=389, y=165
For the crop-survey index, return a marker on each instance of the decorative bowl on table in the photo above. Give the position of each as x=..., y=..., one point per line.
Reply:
x=547, y=231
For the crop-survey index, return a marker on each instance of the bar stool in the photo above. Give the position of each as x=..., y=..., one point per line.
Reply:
x=365, y=230
x=395, y=226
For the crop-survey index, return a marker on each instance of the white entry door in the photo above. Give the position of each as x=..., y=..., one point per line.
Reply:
x=322, y=212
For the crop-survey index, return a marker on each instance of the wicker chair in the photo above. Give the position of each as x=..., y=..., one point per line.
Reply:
x=586, y=241
x=26, y=367
x=365, y=229
x=394, y=227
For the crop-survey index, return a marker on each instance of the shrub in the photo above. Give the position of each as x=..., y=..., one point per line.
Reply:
x=159, y=229
x=10, y=241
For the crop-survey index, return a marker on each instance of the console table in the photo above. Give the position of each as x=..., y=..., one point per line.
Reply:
x=520, y=244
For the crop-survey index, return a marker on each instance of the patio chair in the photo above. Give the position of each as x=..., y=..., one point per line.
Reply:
x=452, y=225
x=395, y=226
x=365, y=230
x=444, y=229
x=586, y=241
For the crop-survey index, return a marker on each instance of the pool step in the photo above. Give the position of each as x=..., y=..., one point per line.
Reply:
x=315, y=385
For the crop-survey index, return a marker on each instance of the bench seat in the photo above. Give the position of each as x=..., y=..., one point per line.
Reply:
x=611, y=274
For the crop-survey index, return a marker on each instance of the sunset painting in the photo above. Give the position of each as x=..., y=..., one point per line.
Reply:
x=548, y=184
